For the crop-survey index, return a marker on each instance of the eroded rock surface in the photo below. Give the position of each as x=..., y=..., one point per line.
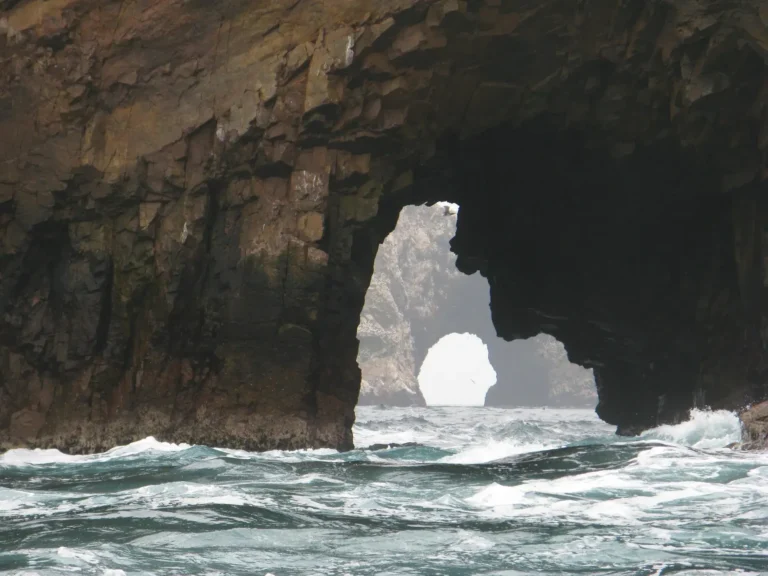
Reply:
x=192, y=195
x=754, y=422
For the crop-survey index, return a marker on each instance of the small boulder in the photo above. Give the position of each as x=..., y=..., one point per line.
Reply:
x=754, y=423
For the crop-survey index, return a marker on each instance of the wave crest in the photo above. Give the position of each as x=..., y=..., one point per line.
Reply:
x=24, y=457
x=706, y=429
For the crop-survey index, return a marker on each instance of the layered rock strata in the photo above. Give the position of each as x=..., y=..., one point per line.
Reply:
x=192, y=195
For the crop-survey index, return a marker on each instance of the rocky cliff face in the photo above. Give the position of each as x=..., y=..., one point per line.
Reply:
x=417, y=296
x=192, y=195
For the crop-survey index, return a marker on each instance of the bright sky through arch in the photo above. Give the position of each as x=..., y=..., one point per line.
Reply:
x=456, y=372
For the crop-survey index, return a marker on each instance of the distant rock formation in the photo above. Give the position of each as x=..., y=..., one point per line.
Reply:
x=541, y=362
x=414, y=277
x=417, y=296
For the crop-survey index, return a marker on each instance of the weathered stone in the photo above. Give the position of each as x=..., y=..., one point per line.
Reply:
x=349, y=165
x=754, y=423
x=298, y=57
x=311, y=226
x=147, y=213
x=648, y=265
x=308, y=188
x=26, y=424
x=333, y=51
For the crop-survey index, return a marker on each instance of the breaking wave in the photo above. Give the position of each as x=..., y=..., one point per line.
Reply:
x=705, y=429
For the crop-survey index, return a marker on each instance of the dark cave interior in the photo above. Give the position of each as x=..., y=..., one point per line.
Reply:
x=630, y=260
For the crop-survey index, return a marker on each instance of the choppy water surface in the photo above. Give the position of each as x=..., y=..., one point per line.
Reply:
x=483, y=491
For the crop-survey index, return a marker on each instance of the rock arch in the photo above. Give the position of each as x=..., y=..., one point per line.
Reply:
x=417, y=296
x=192, y=200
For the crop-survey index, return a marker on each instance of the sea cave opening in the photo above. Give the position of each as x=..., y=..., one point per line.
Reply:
x=626, y=255
x=427, y=337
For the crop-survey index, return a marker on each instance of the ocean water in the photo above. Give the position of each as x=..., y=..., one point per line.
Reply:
x=475, y=491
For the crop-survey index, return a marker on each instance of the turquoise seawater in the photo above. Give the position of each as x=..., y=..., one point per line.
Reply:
x=474, y=491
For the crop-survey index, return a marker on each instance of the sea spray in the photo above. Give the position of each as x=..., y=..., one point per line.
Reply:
x=704, y=429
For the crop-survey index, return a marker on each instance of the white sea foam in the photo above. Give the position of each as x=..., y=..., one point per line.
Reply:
x=182, y=494
x=493, y=450
x=149, y=444
x=23, y=457
x=77, y=555
x=314, y=479
x=607, y=498
x=30, y=503
x=705, y=429
x=286, y=456
x=365, y=437
x=658, y=478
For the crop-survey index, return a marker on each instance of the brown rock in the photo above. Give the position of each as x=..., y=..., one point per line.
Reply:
x=754, y=422
x=647, y=264
x=147, y=213
x=311, y=226
x=26, y=424
x=333, y=51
